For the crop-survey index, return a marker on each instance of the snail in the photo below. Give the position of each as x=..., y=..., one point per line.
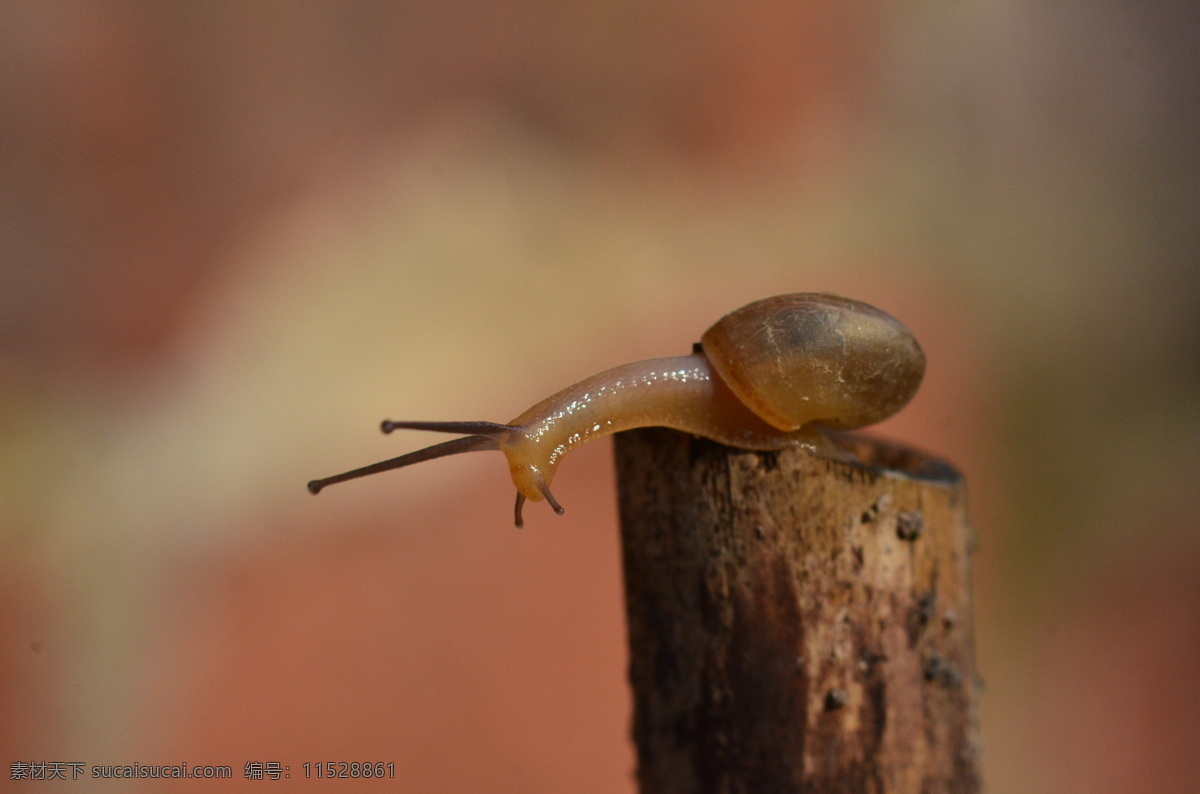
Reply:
x=762, y=378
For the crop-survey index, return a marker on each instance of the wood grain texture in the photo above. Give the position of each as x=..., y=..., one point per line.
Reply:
x=797, y=623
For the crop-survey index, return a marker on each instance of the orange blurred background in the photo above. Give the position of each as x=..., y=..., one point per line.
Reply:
x=233, y=238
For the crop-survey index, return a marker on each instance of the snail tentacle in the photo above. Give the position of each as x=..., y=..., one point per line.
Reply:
x=454, y=447
x=491, y=429
x=520, y=522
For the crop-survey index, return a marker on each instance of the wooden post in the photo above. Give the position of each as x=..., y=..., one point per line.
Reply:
x=797, y=623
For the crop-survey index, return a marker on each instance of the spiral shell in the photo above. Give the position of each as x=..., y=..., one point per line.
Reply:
x=811, y=357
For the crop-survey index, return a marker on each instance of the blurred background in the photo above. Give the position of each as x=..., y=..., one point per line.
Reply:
x=234, y=237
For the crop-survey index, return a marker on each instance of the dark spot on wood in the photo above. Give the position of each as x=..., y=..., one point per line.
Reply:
x=932, y=667
x=926, y=608
x=768, y=460
x=940, y=670
x=920, y=613
x=874, y=716
x=909, y=525
x=836, y=699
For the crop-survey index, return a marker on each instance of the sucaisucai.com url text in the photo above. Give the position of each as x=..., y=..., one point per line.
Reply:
x=74, y=770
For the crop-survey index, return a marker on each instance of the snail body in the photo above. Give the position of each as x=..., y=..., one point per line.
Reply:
x=760, y=379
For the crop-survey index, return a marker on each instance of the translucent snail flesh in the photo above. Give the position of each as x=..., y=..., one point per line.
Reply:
x=760, y=379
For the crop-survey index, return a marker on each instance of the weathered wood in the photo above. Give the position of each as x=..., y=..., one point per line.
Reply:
x=797, y=623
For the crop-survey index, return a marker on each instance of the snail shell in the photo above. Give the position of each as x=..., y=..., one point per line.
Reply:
x=809, y=357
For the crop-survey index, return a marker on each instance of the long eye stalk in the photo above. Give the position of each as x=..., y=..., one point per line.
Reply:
x=468, y=444
x=490, y=429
